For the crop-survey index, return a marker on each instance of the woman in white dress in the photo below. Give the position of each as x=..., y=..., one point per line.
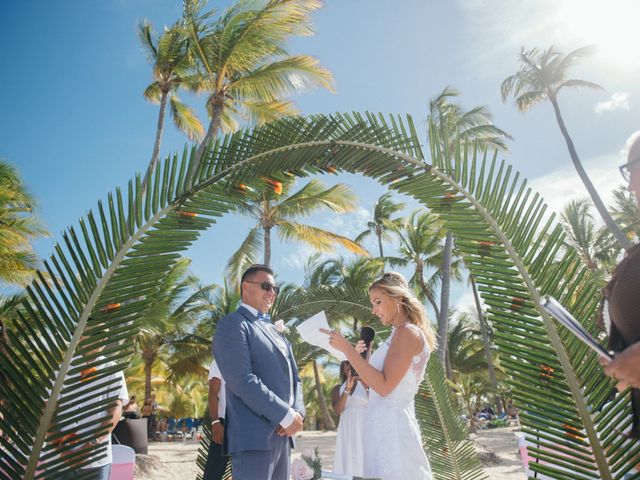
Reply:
x=349, y=400
x=393, y=445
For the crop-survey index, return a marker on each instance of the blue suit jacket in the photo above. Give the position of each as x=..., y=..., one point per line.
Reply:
x=257, y=381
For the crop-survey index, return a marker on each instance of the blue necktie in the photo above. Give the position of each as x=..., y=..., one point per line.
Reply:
x=264, y=317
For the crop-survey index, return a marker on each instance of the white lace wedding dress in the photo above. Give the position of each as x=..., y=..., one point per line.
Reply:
x=393, y=445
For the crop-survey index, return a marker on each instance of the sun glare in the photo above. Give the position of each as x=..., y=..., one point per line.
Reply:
x=612, y=26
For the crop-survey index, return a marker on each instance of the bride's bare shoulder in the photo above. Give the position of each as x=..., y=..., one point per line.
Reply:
x=408, y=334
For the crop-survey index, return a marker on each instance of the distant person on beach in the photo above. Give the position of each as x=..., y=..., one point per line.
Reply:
x=131, y=409
x=349, y=400
x=264, y=392
x=623, y=303
x=148, y=413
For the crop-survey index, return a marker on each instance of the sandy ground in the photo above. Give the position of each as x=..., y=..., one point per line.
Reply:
x=498, y=449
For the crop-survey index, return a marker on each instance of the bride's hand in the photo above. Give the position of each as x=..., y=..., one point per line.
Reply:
x=337, y=341
x=361, y=346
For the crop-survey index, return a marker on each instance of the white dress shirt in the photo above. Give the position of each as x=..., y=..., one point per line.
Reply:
x=214, y=372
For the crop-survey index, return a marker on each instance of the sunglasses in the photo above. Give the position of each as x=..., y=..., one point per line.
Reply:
x=266, y=286
x=624, y=169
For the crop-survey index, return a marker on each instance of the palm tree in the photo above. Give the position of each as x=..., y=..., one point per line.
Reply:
x=469, y=366
x=464, y=127
x=625, y=211
x=466, y=351
x=192, y=352
x=353, y=278
x=453, y=127
x=486, y=341
x=270, y=212
x=18, y=226
x=421, y=236
x=172, y=64
x=181, y=305
x=541, y=77
x=593, y=245
x=382, y=222
x=243, y=66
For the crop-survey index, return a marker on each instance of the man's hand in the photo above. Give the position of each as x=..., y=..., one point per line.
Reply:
x=292, y=429
x=624, y=367
x=217, y=433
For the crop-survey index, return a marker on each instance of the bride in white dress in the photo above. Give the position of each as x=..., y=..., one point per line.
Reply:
x=393, y=445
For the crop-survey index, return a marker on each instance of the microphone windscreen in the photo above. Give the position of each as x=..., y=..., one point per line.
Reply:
x=367, y=334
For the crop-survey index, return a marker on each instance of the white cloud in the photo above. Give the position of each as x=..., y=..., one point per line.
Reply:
x=349, y=224
x=297, y=256
x=563, y=185
x=465, y=302
x=618, y=101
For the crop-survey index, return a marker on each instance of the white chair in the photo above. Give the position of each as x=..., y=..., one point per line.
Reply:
x=124, y=463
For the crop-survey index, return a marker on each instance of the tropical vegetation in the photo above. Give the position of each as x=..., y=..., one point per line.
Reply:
x=118, y=281
x=276, y=209
x=172, y=62
x=18, y=228
x=242, y=64
x=541, y=76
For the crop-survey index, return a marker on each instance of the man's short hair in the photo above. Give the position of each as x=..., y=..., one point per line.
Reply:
x=253, y=269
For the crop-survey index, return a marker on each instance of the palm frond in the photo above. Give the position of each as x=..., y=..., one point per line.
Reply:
x=244, y=256
x=185, y=119
x=319, y=239
x=444, y=436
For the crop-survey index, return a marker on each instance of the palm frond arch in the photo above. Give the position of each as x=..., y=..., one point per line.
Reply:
x=108, y=270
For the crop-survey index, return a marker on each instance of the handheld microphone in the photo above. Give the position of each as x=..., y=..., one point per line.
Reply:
x=367, y=334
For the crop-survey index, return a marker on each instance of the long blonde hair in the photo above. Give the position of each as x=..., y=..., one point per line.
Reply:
x=394, y=285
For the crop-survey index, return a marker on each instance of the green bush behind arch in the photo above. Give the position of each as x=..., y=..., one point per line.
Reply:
x=107, y=270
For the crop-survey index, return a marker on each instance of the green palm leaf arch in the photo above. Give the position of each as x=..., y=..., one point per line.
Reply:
x=108, y=269
x=444, y=434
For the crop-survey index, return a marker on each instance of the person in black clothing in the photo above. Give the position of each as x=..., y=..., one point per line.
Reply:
x=623, y=302
x=217, y=461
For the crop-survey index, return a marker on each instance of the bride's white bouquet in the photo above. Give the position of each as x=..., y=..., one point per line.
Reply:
x=308, y=467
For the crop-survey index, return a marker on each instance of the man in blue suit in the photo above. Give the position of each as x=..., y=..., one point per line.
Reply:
x=264, y=392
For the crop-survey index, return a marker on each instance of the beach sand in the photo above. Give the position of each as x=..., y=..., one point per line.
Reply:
x=498, y=450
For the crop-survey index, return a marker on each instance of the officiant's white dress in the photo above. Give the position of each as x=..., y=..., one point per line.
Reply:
x=392, y=441
x=349, y=456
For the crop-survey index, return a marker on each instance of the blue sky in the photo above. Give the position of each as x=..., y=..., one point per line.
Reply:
x=75, y=123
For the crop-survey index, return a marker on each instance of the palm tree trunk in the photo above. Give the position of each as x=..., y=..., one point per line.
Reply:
x=156, y=146
x=426, y=292
x=267, y=246
x=217, y=103
x=486, y=342
x=379, y=235
x=443, y=320
x=148, y=364
x=602, y=209
x=324, y=410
